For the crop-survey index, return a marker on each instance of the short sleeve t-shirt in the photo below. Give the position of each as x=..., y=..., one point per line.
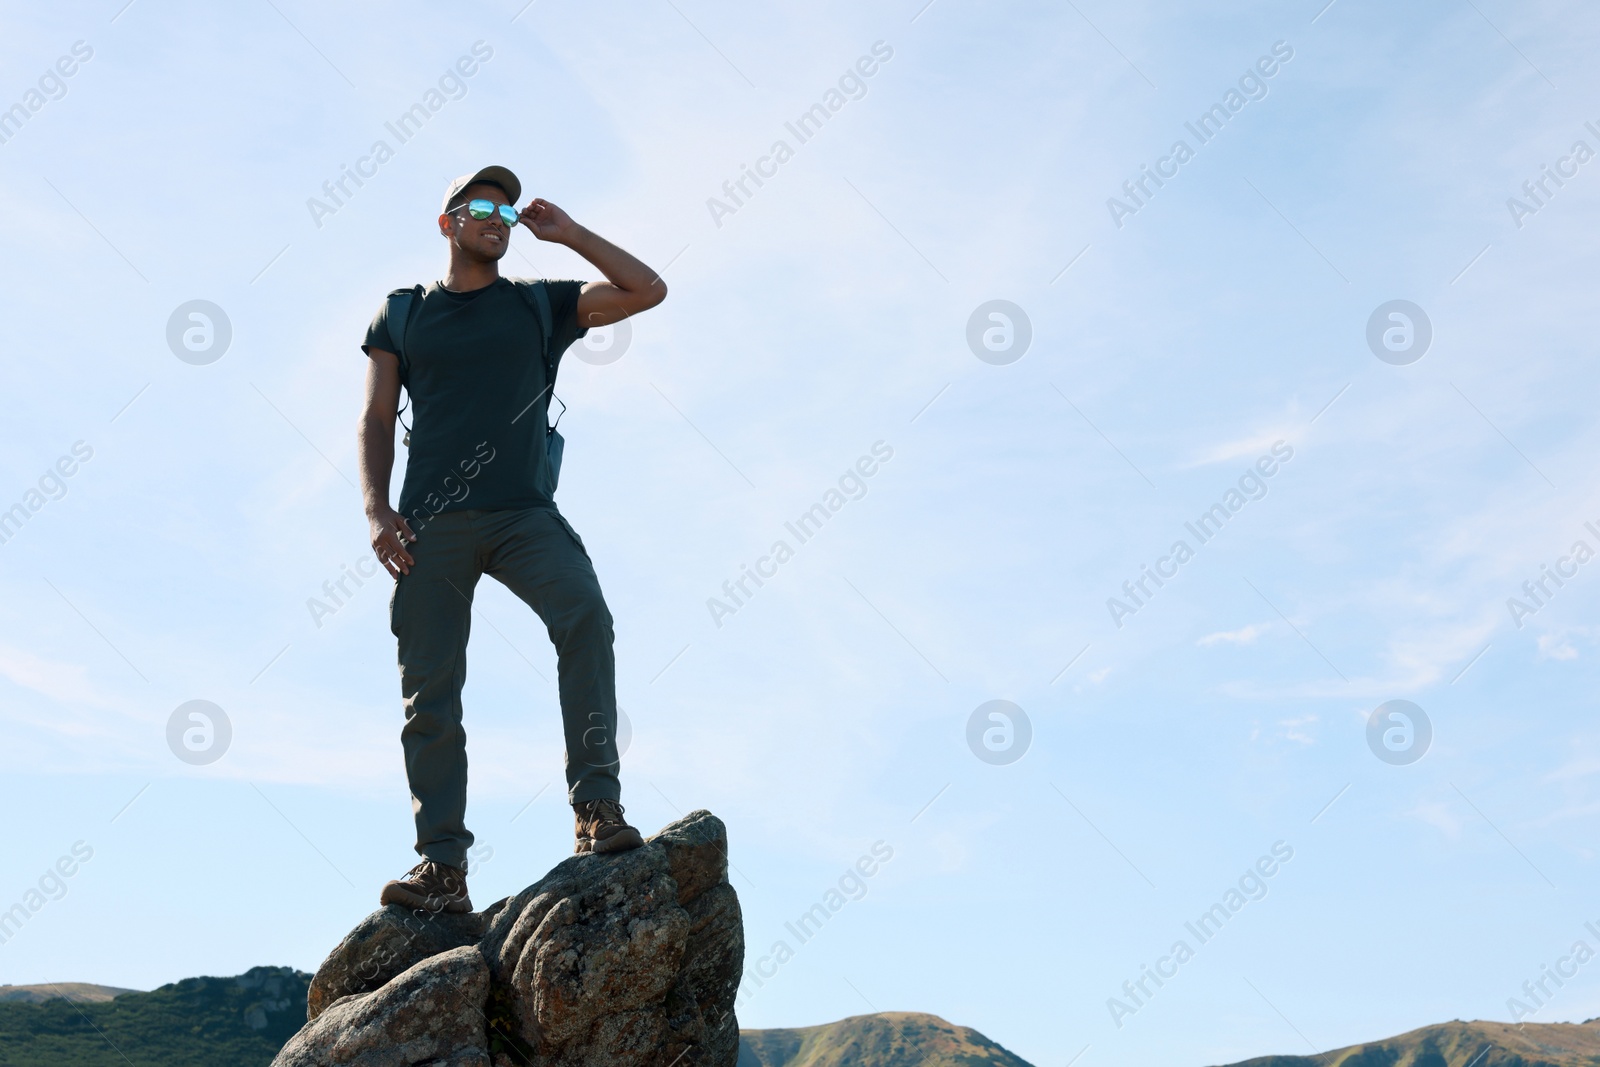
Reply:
x=479, y=398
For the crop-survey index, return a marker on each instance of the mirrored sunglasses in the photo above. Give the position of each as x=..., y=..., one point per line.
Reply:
x=482, y=209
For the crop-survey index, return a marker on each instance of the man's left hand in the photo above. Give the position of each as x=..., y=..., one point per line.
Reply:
x=548, y=222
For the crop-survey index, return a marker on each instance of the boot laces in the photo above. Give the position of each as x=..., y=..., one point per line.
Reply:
x=604, y=811
x=429, y=871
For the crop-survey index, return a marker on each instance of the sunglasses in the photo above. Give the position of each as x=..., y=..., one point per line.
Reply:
x=482, y=209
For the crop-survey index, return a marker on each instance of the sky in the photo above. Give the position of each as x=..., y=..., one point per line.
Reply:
x=1341, y=353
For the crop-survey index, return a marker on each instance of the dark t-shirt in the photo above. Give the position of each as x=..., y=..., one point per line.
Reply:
x=478, y=396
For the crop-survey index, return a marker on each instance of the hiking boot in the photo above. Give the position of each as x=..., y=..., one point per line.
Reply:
x=601, y=828
x=430, y=886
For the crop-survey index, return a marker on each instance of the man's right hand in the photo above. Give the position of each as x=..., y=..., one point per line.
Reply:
x=390, y=532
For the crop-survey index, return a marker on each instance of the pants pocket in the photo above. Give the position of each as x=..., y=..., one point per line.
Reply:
x=394, y=604
x=567, y=526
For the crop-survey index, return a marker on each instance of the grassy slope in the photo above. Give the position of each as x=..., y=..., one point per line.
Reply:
x=243, y=1021
x=1457, y=1044
x=198, y=1022
x=888, y=1039
x=80, y=991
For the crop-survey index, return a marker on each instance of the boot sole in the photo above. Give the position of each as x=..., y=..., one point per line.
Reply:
x=396, y=894
x=621, y=841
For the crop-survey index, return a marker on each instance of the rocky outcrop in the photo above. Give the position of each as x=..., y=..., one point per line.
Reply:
x=431, y=1014
x=628, y=960
x=388, y=941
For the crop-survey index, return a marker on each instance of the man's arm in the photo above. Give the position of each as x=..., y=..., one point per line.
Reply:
x=375, y=451
x=630, y=286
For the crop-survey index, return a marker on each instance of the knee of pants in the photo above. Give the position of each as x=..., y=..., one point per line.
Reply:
x=430, y=722
x=586, y=618
x=429, y=679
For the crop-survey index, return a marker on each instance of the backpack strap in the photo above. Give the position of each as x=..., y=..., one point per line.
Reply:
x=538, y=298
x=401, y=304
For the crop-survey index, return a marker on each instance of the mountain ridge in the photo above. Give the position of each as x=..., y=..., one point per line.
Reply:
x=883, y=1039
x=196, y=1022
x=245, y=1019
x=86, y=992
x=1478, y=1043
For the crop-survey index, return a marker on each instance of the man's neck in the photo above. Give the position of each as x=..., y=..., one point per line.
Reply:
x=464, y=276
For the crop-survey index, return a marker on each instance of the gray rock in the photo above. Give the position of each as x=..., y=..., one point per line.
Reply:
x=430, y=1015
x=599, y=941
x=626, y=960
x=385, y=943
x=697, y=853
x=700, y=1011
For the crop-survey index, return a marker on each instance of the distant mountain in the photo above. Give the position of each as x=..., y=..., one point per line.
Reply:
x=1459, y=1044
x=79, y=991
x=198, y=1022
x=243, y=1021
x=888, y=1039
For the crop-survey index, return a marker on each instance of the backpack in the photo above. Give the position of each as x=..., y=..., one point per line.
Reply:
x=403, y=303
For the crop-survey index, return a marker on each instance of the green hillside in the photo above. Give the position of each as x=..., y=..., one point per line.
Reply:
x=243, y=1021
x=80, y=991
x=1458, y=1044
x=888, y=1039
x=198, y=1022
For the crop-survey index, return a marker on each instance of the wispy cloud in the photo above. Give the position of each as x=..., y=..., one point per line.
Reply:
x=1242, y=448
x=1439, y=815
x=1298, y=729
x=1559, y=644
x=1245, y=635
x=63, y=682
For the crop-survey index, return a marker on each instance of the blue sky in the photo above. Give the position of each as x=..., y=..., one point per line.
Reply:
x=828, y=313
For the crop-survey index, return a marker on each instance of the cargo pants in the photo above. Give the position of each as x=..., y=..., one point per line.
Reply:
x=539, y=557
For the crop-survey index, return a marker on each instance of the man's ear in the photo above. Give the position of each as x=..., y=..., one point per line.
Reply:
x=444, y=224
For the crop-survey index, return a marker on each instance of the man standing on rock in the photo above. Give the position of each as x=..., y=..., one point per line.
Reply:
x=477, y=354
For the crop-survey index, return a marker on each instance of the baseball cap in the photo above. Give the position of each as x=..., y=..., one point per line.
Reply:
x=501, y=176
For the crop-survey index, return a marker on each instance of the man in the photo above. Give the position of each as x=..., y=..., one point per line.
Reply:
x=477, y=499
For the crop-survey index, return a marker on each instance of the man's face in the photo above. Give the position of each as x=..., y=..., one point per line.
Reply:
x=483, y=238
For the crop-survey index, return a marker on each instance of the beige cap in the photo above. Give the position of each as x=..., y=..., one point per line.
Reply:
x=501, y=176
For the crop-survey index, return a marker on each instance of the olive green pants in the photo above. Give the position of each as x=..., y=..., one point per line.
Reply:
x=538, y=556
